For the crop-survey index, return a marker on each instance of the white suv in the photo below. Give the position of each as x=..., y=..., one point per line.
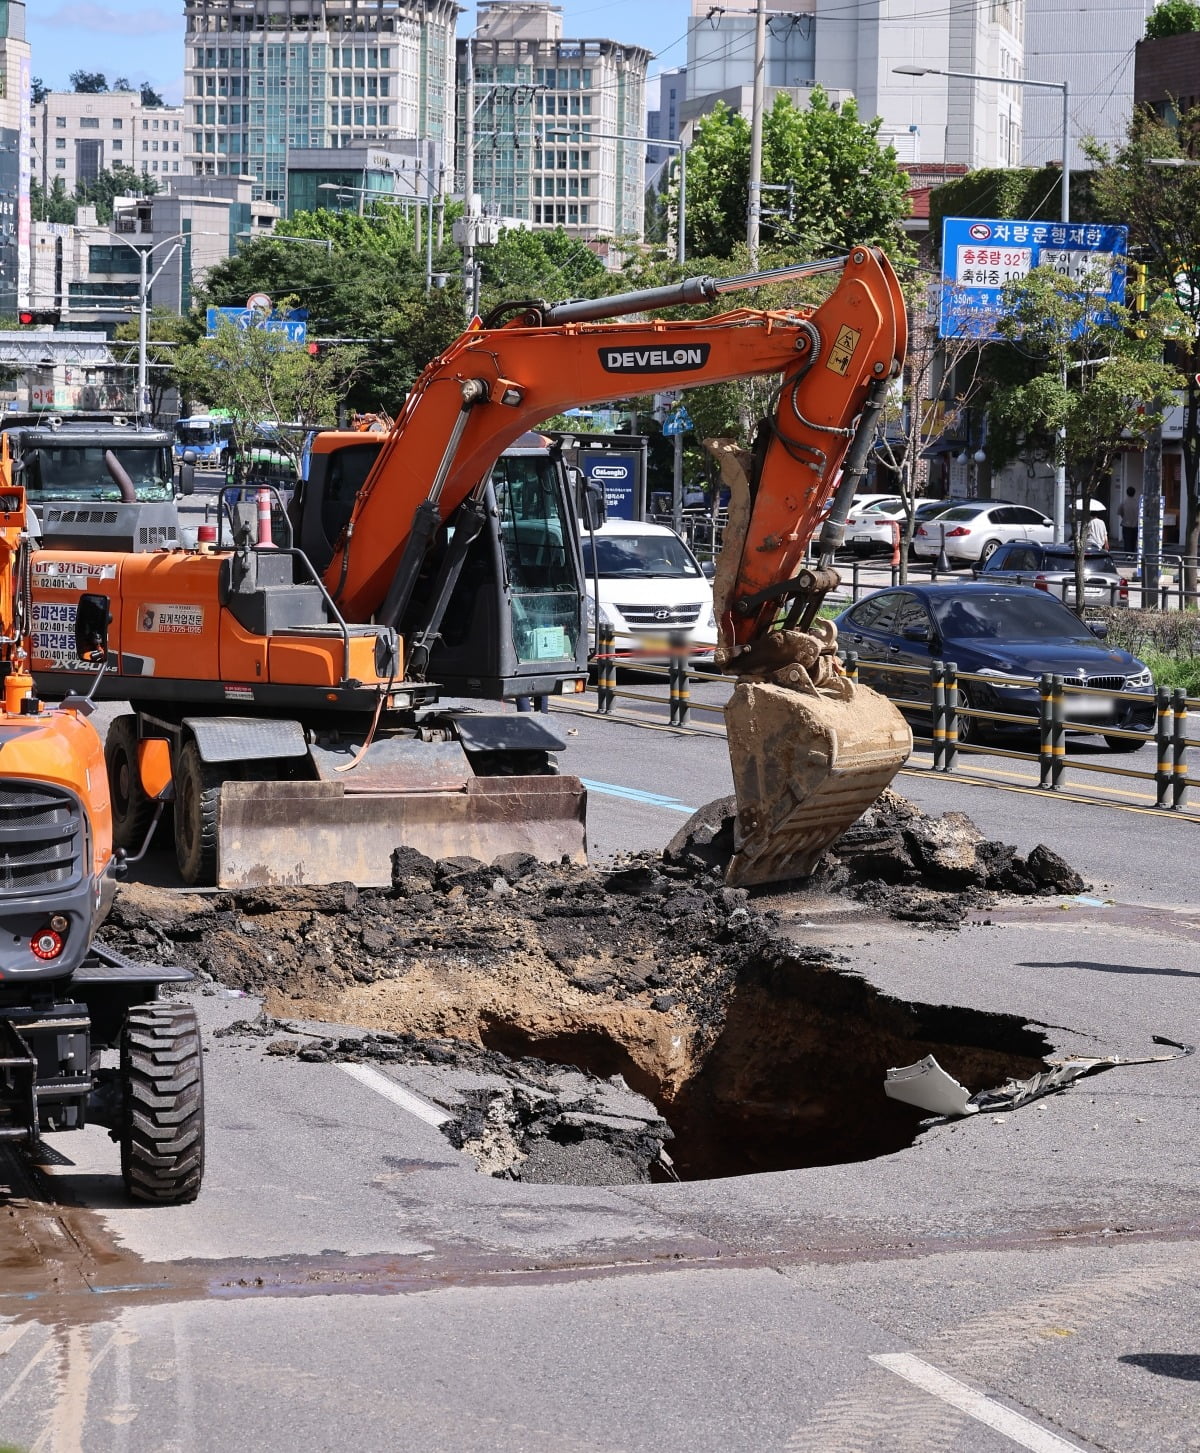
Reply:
x=650, y=587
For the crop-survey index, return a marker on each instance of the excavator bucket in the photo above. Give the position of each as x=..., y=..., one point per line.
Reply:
x=806, y=764
x=319, y=832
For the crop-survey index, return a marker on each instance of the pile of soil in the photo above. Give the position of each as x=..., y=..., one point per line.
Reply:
x=652, y=970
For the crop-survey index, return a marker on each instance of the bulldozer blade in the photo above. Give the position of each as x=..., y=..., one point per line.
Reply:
x=317, y=832
x=805, y=766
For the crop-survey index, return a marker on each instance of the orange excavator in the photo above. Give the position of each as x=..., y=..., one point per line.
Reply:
x=296, y=687
x=64, y=997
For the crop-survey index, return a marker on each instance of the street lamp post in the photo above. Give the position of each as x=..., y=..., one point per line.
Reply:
x=1060, y=468
x=146, y=281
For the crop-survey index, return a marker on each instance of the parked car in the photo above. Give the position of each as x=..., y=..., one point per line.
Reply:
x=650, y=587
x=1009, y=635
x=975, y=530
x=1052, y=568
x=869, y=530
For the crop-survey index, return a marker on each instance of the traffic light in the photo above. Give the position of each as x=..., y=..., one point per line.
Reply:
x=38, y=317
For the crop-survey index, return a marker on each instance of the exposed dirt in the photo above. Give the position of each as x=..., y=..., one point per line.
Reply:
x=760, y=1053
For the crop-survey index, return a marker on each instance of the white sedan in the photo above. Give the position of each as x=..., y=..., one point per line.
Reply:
x=869, y=530
x=976, y=529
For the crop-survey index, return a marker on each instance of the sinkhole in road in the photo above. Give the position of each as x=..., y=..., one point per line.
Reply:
x=793, y=1075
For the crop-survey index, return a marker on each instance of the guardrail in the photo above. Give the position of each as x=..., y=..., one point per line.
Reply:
x=1060, y=709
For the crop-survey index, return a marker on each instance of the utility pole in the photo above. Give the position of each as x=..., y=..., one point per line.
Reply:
x=469, y=184
x=754, y=203
x=1152, y=521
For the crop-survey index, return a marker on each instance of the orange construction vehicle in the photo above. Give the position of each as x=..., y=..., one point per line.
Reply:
x=64, y=998
x=295, y=687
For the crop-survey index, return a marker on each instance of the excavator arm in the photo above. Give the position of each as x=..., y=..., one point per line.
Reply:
x=493, y=384
x=809, y=750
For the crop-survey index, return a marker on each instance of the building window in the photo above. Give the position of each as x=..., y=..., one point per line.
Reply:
x=60, y=143
x=175, y=168
x=117, y=123
x=61, y=163
x=60, y=122
x=145, y=146
x=89, y=123
x=118, y=146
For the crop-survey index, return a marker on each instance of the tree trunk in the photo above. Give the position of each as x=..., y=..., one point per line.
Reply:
x=1190, y=445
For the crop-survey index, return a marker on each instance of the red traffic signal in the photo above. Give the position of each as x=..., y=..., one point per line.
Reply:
x=30, y=317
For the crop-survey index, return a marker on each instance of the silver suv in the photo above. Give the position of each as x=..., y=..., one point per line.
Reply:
x=1052, y=568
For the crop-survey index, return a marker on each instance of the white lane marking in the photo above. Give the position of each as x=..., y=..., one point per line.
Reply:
x=992, y=1414
x=10, y=1336
x=397, y=1094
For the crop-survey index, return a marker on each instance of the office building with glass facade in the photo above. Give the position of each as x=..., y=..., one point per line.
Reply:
x=558, y=123
x=264, y=77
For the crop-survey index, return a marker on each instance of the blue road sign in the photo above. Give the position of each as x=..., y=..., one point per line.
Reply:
x=245, y=318
x=980, y=255
x=679, y=421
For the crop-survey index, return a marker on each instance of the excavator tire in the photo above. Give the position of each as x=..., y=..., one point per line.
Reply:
x=132, y=810
x=197, y=794
x=162, y=1122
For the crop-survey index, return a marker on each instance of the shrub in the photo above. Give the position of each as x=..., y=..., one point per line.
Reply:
x=1172, y=17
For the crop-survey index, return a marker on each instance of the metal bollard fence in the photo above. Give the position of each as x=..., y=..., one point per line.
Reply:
x=850, y=665
x=1179, y=780
x=950, y=755
x=681, y=695
x=1164, y=726
x=1046, y=732
x=606, y=669
x=938, y=692
x=1058, y=732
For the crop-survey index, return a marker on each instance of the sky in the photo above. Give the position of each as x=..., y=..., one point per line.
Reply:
x=142, y=40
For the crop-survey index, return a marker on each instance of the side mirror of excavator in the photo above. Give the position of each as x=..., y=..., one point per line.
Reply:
x=93, y=616
x=187, y=472
x=158, y=783
x=591, y=500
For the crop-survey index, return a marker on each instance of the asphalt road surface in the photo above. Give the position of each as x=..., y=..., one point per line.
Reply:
x=347, y=1278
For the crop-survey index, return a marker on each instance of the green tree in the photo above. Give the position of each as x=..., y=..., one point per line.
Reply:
x=38, y=90
x=1172, y=17
x=1161, y=206
x=122, y=84
x=53, y=205
x=150, y=97
x=121, y=181
x=256, y=375
x=89, y=83
x=166, y=334
x=829, y=182
x=1093, y=383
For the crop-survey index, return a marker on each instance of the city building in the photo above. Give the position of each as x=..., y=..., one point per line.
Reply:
x=265, y=76
x=89, y=273
x=558, y=132
x=930, y=118
x=665, y=95
x=1097, y=62
x=78, y=135
x=409, y=173
x=14, y=157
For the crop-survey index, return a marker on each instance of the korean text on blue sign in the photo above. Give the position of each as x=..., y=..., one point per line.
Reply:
x=243, y=319
x=981, y=255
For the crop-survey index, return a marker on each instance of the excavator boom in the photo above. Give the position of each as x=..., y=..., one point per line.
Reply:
x=809, y=750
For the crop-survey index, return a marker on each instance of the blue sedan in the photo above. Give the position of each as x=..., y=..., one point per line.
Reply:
x=1007, y=635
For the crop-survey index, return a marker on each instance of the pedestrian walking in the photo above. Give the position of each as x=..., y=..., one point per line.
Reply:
x=1127, y=518
x=1097, y=532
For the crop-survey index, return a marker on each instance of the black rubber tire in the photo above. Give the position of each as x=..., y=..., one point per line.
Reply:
x=971, y=731
x=1127, y=744
x=162, y=1118
x=989, y=549
x=197, y=792
x=132, y=810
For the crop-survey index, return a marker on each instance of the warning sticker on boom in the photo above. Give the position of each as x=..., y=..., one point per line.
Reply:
x=171, y=620
x=843, y=350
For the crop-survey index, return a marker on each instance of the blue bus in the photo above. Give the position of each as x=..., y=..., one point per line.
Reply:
x=209, y=436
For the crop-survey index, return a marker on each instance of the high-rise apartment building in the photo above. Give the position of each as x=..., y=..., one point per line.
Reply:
x=78, y=135
x=14, y=157
x=930, y=118
x=1095, y=60
x=264, y=77
x=558, y=123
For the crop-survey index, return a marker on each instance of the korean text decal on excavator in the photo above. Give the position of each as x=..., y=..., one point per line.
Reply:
x=297, y=688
